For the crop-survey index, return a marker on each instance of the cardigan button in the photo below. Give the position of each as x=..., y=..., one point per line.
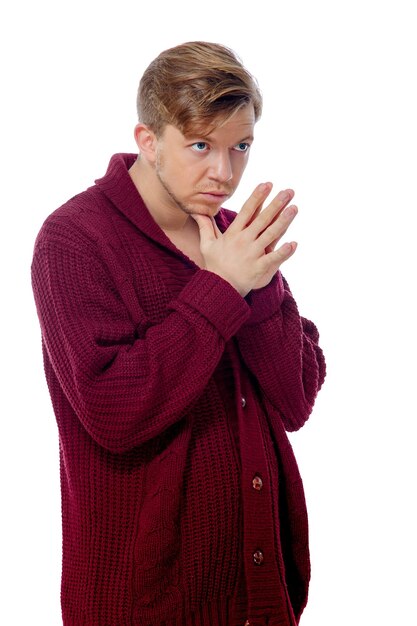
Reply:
x=258, y=557
x=247, y=623
x=243, y=402
x=257, y=483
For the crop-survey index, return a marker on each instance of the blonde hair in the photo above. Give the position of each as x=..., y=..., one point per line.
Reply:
x=195, y=85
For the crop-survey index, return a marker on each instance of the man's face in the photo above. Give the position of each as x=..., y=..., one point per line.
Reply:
x=198, y=173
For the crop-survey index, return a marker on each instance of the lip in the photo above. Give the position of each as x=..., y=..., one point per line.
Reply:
x=215, y=196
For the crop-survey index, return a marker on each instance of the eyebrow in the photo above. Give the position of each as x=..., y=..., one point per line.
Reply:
x=208, y=137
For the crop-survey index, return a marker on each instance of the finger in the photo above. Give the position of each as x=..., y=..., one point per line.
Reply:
x=276, y=258
x=205, y=226
x=251, y=208
x=272, y=212
x=274, y=242
x=258, y=209
x=269, y=238
x=216, y=229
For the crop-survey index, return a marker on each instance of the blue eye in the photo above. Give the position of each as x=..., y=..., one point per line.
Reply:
x=199, y=146
x=242, y=147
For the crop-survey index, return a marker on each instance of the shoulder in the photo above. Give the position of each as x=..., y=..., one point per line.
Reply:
x=78, y=222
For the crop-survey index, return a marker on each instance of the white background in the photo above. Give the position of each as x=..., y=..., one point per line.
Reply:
x=339, y=126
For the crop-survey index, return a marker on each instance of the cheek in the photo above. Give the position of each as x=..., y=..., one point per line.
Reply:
x=237, y=174
x=239, y=163
x=190, y=174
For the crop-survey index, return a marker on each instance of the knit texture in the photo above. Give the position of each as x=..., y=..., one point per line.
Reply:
x=172, y=393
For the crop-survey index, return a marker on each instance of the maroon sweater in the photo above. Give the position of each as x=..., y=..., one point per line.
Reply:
x=182, y=503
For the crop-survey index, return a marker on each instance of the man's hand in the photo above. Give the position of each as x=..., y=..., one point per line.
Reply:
x=245, y=254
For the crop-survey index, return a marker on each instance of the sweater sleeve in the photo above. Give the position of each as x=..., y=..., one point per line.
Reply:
x=126, y=381
x=281, y=349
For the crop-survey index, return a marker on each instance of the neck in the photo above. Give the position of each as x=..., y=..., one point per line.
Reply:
x=159, y=205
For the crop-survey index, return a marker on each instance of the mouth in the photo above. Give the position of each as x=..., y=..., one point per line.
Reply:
x=214, y=196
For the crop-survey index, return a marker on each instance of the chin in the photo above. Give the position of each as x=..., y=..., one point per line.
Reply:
x=210, y=212
x=207, y=209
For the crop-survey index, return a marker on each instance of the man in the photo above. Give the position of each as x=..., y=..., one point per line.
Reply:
x=176, y=358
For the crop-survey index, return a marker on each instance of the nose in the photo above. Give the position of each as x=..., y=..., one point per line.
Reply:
x=221, y=167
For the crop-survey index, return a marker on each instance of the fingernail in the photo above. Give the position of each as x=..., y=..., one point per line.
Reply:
x=290, y=211
x=289, y=248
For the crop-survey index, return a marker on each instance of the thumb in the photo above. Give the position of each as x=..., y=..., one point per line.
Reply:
x=205, y=226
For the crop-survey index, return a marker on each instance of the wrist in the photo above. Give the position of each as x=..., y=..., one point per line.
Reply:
x=264, y=302
x=241, y=289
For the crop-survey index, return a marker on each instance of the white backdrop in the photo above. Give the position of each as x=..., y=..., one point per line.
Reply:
x=339, y=126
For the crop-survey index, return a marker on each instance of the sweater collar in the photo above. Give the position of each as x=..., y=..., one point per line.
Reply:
x=120, y=189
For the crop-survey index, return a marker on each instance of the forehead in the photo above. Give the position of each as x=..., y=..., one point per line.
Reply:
x=237, y=127
x=239, y=124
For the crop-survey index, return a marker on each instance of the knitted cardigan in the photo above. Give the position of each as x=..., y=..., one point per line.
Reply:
x=182, y=503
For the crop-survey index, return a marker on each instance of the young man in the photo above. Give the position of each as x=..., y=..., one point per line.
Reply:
x=176, y=359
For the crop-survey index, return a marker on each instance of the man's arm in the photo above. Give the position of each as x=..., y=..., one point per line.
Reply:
x=281, y=349
x=128, y=381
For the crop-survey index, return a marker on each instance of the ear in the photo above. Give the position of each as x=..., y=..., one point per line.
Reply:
x=146, y=141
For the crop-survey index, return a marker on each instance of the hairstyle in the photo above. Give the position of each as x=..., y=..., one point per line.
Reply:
x=195, y=85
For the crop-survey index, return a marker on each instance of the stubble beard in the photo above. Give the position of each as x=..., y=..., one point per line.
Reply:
x=189, y=210
x=159, y=166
